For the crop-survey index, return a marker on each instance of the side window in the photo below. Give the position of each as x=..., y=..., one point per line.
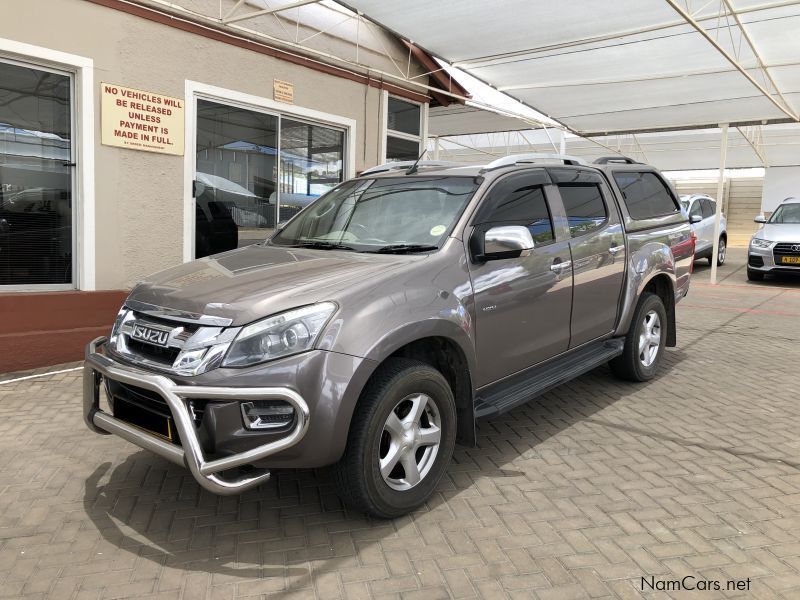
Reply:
x=584, y=206
x=697, y=208
x=709, y=208
x=645, y=194
x=520, y=200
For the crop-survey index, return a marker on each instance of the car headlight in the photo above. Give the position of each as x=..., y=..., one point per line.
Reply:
x=759, y=243
x=284, y=334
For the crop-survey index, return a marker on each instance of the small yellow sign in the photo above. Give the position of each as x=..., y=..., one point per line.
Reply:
x=283, y=91
x=141, y=120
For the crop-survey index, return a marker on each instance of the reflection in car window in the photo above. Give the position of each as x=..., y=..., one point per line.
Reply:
x=522, y=205
x=786, y=214
x=369, y=214
x=709, y=207
x=697, y=209
x=645, y=194
x=584, y=206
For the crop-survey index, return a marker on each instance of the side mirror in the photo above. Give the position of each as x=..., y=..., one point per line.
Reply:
x=695, y=219
x=507, y=241
x=760, y=219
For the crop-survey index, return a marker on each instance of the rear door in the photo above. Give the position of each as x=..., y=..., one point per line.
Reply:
x=597, y=244
x=522, y=305
x=709, y=208
x=701, y=227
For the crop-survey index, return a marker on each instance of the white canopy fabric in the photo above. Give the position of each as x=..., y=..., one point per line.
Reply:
x=622, y=66
x=748, y=147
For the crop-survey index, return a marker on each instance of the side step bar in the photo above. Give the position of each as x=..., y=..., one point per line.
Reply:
x=522, y=387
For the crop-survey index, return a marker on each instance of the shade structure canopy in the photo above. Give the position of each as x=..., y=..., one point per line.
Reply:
x=748, y=147
x=622, y=66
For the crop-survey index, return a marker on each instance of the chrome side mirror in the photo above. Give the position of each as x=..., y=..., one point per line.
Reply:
x=695, y=219
x=507, y=241
x=760, y=219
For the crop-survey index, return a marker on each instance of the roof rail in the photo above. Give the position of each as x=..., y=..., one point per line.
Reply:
x=604, y=160
x=534, y=157
x=405, y=164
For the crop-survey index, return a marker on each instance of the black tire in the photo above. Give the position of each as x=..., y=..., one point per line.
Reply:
x=755, y=275
x=629, y=365
x=722, y=252
x=358, y=478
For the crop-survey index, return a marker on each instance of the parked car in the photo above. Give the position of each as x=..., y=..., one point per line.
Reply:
x=701, y=210
x=373, y=329
x=775, y=248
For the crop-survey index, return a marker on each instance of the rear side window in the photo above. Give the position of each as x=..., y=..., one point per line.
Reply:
x=520, y=200
x=709, y=208
x=645, y=194
x=584, y=206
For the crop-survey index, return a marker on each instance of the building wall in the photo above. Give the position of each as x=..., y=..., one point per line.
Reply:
x=139, y=214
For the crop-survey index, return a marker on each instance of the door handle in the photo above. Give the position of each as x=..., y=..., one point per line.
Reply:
x=615, y=249
x=561, y=266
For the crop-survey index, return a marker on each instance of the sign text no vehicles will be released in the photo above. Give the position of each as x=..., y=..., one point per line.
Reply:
x=141, y=120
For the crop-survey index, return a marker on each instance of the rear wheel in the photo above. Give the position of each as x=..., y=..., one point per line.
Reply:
x=401, y=440
x=644, y=344
x=722, y=248
x=753, y=275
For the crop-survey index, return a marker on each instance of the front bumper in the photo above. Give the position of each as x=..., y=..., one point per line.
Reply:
x=189, y=453
x=763, y=260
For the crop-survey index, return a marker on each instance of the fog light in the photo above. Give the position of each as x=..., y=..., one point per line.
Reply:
x=267, y=414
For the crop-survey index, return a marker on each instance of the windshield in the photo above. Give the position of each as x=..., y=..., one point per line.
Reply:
x=787, y=214
x=400, y=214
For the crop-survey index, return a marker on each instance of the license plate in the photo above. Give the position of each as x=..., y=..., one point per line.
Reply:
x=150, y=335
x=151, y=422
x=791, y=260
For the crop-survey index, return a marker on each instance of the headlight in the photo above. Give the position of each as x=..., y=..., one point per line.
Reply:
x=759, y=243
x=284, y=334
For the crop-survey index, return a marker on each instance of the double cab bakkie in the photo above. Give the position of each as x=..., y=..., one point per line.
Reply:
x=374, y=328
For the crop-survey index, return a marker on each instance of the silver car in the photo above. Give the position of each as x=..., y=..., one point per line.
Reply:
x=775, y=248
x=701, y=210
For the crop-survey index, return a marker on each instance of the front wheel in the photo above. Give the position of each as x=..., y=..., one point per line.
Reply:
x=401, y=440
x=644, y=344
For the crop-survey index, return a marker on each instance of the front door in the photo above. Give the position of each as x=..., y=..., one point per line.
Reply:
x=522, y=305
x=598, y=252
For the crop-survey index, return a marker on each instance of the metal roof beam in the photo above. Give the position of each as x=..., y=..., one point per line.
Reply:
x=701, y=30
x=489, y=59
x=759, y=60
x=229, y=18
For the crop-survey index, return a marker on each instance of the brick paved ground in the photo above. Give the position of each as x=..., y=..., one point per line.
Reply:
x=576, y=495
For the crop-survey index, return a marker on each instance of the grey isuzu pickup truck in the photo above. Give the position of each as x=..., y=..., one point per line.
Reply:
x=374, y=328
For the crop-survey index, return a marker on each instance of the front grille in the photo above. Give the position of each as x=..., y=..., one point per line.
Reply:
x=755, y=261
x=165, y=356
x=786, y=249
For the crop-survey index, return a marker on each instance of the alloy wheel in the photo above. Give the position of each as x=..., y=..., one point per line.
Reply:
x=650, y=338
x=721, y=251
x=409, y=441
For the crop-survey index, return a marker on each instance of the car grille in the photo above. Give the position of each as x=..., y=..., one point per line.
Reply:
x=786, y=249
x=165, y=356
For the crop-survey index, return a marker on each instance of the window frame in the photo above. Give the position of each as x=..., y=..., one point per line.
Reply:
x=487, y=203
x=79, y=72
x=386, y=133
x=201, y=91
x=612, y=175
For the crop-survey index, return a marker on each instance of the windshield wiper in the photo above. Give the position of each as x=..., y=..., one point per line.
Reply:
x=320, y=245
x=403, y=248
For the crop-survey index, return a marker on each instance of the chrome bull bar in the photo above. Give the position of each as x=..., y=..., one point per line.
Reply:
x=190, y=453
